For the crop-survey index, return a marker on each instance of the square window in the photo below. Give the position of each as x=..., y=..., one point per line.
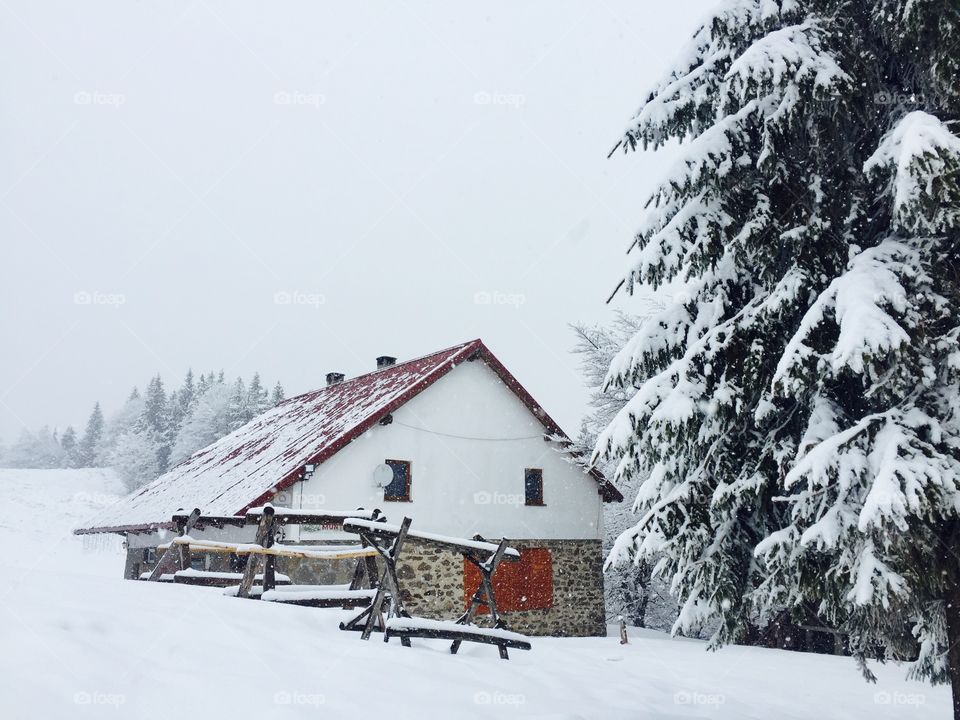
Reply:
x=399, y=489
x=533, y=486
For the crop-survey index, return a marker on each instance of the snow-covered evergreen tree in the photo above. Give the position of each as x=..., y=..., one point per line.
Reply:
x=797, y=408
x=68, y=442
x=187, y=392
x=207, y=422
x=258, y=401
x=157, y=421
x=134, y=456
x=239, y=412
x=277, y=395
x=87, y=449
x=126, y=419
x=179, y=404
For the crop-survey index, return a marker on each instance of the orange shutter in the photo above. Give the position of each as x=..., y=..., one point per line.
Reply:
x=523, y=585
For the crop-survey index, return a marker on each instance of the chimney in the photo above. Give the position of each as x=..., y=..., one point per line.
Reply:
x=334, y=378
x=385, y=361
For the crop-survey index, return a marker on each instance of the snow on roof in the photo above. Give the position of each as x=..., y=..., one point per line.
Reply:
x=247, y=467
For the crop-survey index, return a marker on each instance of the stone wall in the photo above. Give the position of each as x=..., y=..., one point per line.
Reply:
x=433, y=584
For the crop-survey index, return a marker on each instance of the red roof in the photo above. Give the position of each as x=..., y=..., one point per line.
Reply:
x=247, y=467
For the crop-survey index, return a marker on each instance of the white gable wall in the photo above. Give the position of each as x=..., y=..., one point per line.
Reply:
x=462, y=486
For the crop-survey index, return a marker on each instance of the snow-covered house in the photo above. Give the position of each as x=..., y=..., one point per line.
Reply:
x=470, y=451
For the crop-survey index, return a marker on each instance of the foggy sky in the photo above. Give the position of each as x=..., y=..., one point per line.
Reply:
x=296, y=188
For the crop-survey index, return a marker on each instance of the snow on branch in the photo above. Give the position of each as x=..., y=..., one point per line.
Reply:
x=858, y=301
x=922, y=158
x=790, y=55
x=899, y=472
x=690, y=95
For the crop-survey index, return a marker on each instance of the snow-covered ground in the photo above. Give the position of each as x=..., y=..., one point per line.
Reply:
x=81, y=642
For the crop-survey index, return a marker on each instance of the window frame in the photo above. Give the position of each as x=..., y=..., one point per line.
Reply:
x=538, y=500
x=409, y=481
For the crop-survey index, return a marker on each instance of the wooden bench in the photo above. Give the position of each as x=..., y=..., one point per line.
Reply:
x=320, y=596
x=456, y=631
x=389, y=541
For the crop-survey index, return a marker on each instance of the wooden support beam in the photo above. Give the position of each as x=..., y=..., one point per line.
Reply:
x=171, y=557
x=264, y=539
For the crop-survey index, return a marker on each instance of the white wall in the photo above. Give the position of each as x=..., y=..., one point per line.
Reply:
x=461, y=486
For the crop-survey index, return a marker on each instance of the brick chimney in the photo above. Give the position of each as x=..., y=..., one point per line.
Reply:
x=334, y=378
x=385, y=361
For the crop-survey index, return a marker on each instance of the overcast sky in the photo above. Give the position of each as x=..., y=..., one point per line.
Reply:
x=296, y=188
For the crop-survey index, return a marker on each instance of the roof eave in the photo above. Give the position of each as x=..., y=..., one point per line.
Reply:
x=124, y=529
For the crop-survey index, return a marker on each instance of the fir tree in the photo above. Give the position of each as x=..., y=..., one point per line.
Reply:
x=239, y=410
x=277, y=396
x=257, y=399
x=157, y=421
x=187, y=392
x=207, y=422
x=87, y=449
x=796, y=410
x=128, y=418
x=135, y=457
x=68, y=442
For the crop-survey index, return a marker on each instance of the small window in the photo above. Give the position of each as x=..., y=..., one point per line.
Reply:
x=533, y=486
x=399, y=489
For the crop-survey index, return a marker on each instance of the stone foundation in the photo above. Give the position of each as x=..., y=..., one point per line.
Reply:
x=433, y=583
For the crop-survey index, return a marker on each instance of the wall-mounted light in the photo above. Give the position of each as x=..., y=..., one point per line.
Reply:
x=308, y=471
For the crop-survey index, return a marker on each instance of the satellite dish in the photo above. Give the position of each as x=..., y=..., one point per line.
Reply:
x=382, y=475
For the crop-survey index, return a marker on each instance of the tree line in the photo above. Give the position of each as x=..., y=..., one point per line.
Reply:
x=153, y=430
